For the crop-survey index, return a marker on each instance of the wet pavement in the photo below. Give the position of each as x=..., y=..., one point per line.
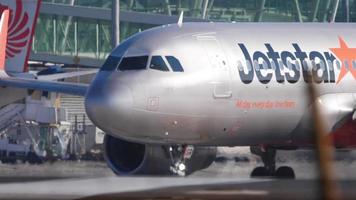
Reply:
x=226, y=179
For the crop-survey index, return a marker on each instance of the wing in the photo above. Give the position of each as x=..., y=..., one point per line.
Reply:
x=50, y=86
x=53, y=77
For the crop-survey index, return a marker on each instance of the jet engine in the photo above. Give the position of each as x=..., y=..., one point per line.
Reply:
x=127, y=158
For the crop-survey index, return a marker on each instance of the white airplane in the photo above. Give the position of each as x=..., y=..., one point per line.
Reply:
x=167, y=96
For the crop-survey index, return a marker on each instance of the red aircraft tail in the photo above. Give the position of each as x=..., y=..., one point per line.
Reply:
x=3, y=40
x=20, y=26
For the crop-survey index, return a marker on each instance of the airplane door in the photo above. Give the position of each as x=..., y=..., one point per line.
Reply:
x=220, y=67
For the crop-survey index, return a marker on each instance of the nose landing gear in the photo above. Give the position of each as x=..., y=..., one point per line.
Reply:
x=268, y=156
x=179, y=155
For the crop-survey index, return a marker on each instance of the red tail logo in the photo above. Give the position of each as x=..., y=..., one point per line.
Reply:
x=18, y=31
x=345, y=54
x=3, y=37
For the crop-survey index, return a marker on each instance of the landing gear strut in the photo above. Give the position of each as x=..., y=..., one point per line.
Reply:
x=268, y=156
x=179, y=155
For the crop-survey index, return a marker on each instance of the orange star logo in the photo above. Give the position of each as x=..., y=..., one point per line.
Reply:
x=345, y=55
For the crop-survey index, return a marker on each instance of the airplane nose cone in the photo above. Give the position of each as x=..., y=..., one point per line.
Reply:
x=110, y=109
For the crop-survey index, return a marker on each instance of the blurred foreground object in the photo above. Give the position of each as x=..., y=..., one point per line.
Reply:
x=324, y=150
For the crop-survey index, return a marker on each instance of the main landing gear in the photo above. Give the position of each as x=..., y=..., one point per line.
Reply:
x=268, y=156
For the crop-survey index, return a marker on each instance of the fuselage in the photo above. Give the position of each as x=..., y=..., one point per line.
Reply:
x=224, y=84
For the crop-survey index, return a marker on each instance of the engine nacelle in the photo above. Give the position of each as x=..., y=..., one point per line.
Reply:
x=127, y=158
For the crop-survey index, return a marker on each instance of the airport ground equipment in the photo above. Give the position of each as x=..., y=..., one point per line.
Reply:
x=10, y=151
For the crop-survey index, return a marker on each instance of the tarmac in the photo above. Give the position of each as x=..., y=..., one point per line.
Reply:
x=226, y=179
x=169, y=188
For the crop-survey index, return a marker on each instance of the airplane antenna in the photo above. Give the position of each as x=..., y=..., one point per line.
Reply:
x=180, y=20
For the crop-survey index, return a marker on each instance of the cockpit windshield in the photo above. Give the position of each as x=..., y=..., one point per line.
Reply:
x=158, y=63
x=175, y=64
x=110, y=63
x=133, y=63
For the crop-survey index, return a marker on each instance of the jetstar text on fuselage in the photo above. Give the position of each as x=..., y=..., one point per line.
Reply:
x=294, y=66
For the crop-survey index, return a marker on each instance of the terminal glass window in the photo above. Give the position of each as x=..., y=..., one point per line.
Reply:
x=133, y=63
x=158, y=63
x=175, y=64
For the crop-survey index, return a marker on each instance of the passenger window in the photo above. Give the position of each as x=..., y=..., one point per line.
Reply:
x=158, y=63
x=110, y=63
x=133, y=63
x=175, y=64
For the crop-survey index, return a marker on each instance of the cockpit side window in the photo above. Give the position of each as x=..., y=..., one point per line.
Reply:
x=158, y=63
x=133, y=63
x=111, y=63
x=175, y=64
